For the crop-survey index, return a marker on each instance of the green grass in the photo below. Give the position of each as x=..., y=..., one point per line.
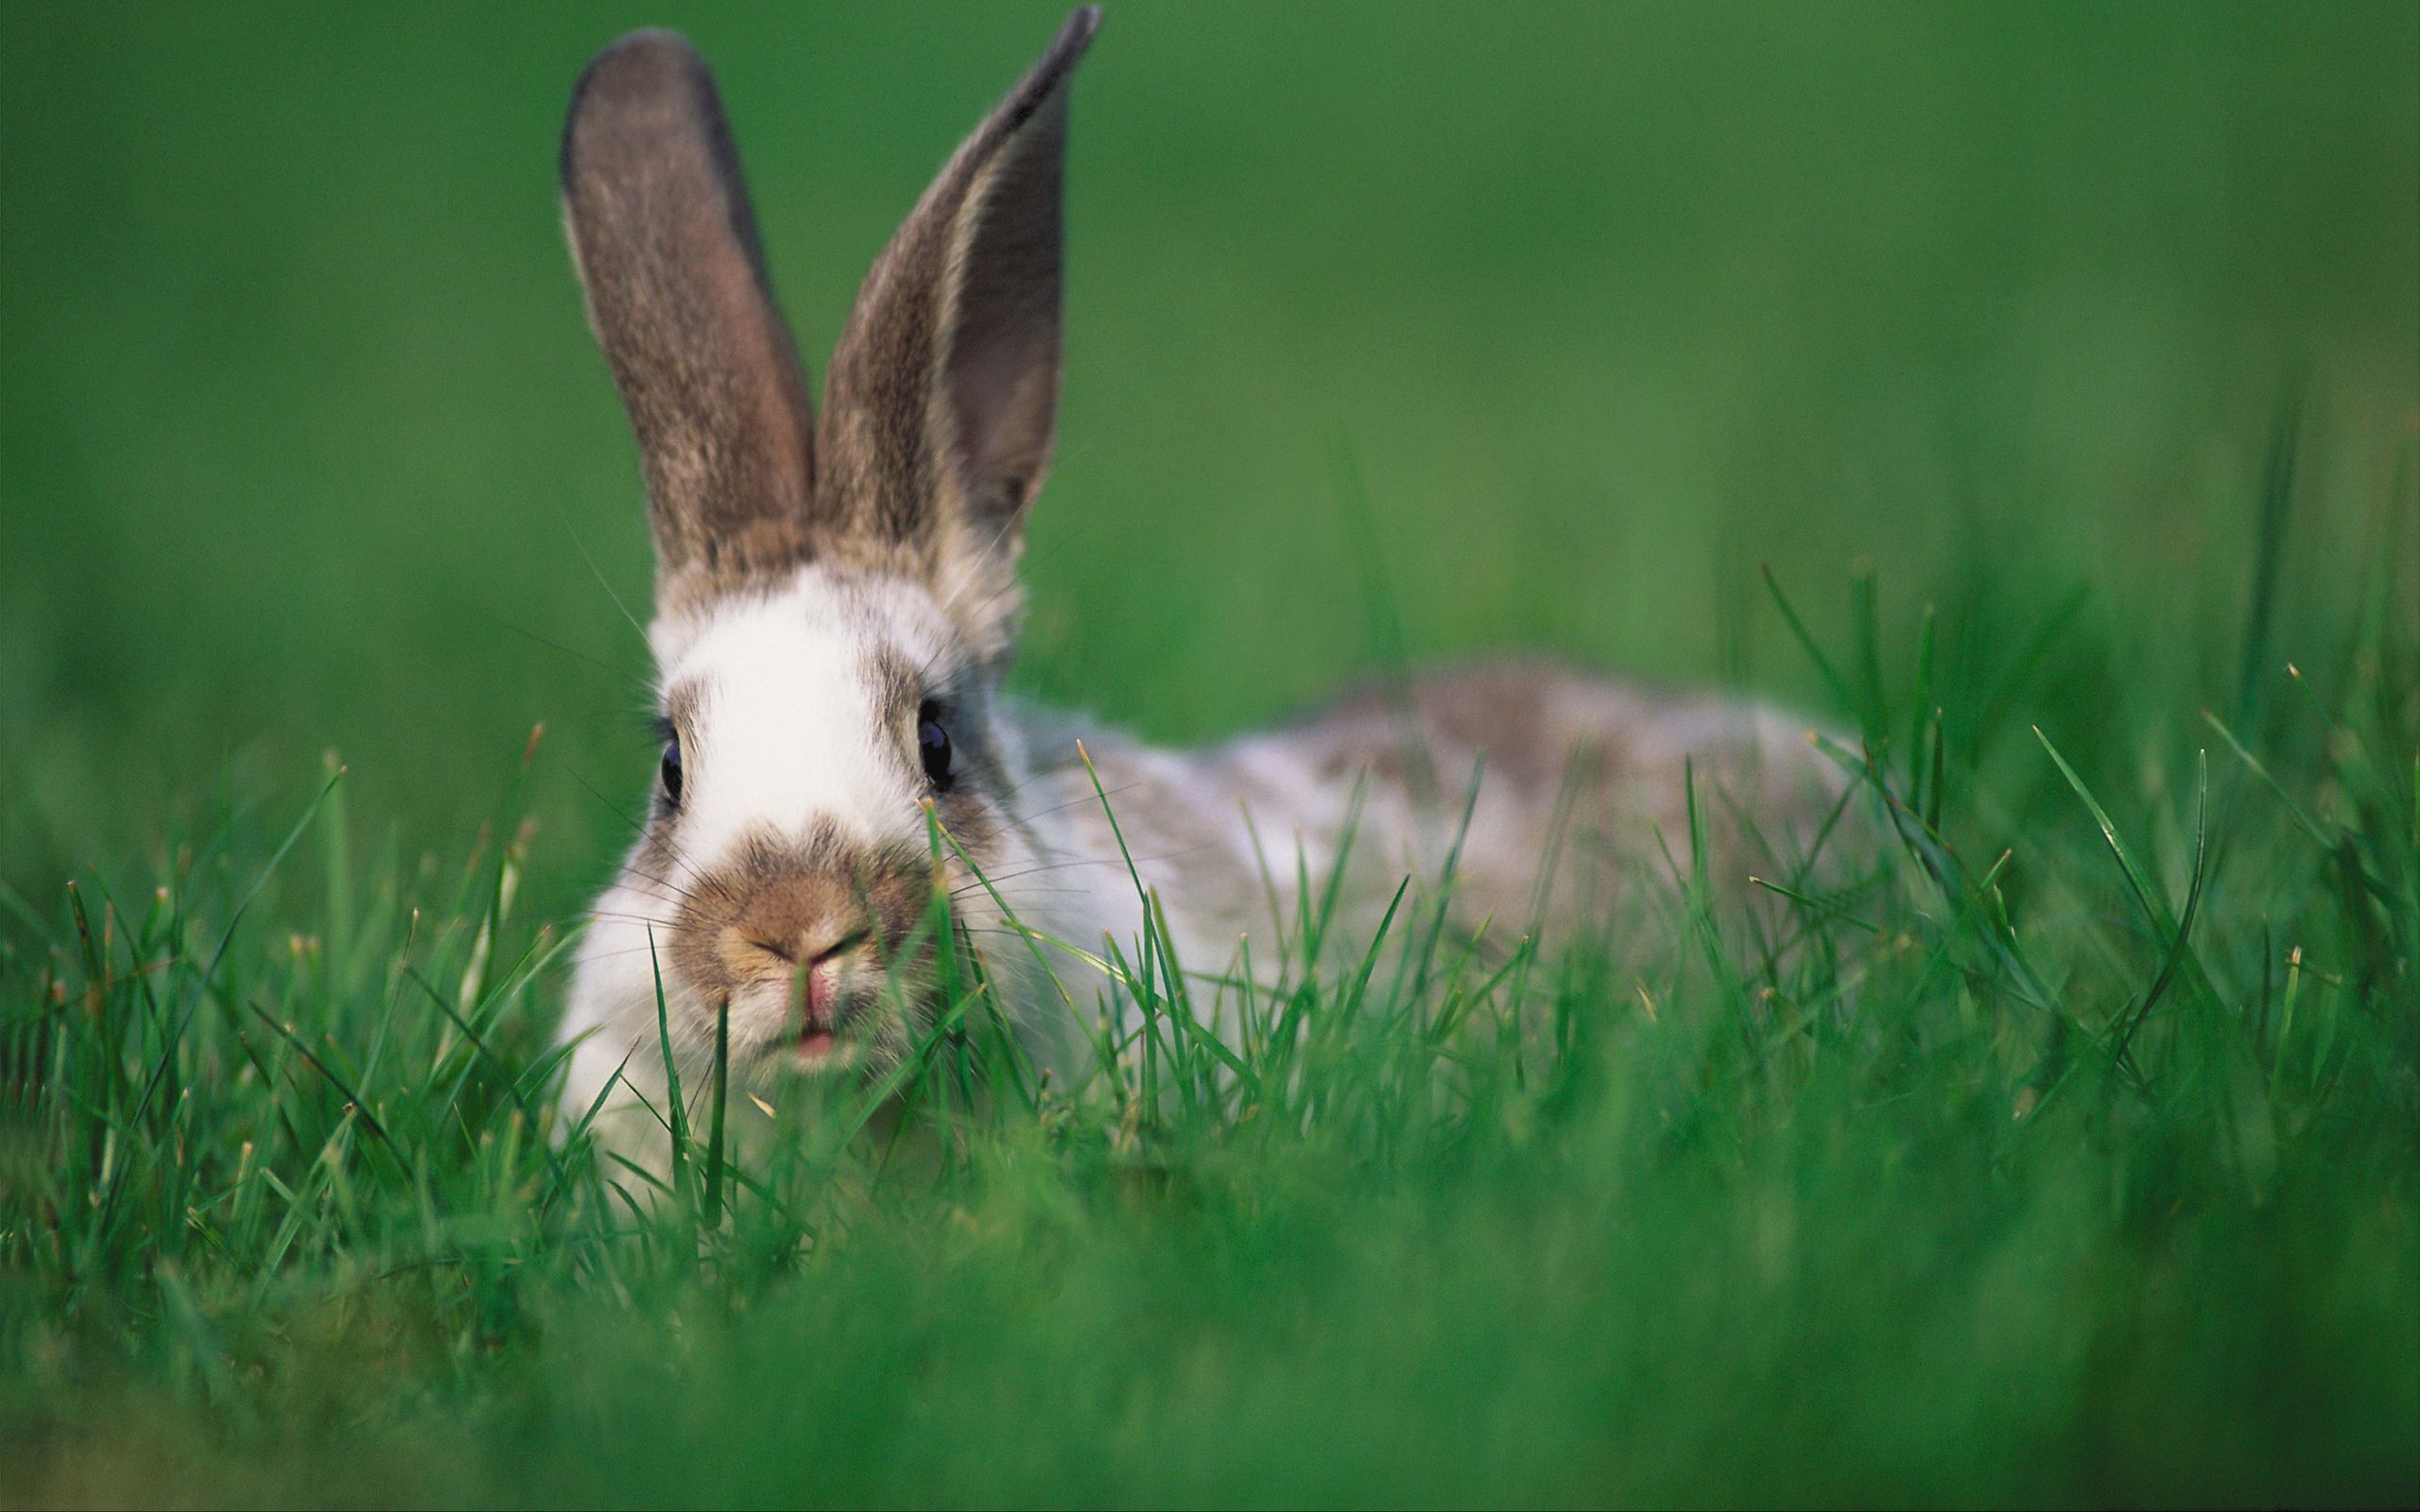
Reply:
x=2067, y=1161
x=2062, y=368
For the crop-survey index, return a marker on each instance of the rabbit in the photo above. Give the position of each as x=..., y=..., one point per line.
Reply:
x=836, y=604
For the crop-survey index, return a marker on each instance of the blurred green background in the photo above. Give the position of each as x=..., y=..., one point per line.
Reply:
x=305, y=446
x=302, y=434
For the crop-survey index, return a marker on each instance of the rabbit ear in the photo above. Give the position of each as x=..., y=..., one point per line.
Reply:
x=665, y=244
x=939, y=409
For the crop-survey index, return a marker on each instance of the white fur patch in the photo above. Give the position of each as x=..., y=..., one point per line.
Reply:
x=789, y=728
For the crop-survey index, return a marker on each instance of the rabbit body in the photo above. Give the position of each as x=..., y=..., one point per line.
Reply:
x=836, y=602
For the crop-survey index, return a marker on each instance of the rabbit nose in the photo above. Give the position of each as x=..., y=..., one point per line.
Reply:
x=798, y=906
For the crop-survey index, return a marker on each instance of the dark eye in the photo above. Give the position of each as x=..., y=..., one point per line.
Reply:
x=670, y=771
x=932, y=744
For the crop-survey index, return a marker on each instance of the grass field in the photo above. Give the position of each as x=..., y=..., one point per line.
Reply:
x=2063, y=365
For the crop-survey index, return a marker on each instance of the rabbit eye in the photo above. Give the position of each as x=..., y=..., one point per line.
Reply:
x=671, y=770
x=932, y=744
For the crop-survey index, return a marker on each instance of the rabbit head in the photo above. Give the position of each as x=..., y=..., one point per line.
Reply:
x=835, y=596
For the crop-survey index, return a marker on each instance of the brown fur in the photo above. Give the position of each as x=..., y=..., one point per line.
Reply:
x=936, y=423
x=666, y=242
x=945, y=380
x=778, y=904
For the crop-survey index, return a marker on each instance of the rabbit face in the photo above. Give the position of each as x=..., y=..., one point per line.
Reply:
x=836, y=595
x=830, y=758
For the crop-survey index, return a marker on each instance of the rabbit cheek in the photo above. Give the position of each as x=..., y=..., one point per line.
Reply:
x=971, y=817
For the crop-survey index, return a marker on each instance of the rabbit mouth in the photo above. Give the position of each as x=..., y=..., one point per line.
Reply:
x=818, y=1009
x=828, y=1000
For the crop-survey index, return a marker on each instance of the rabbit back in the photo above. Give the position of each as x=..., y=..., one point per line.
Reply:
x=1549, y=798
